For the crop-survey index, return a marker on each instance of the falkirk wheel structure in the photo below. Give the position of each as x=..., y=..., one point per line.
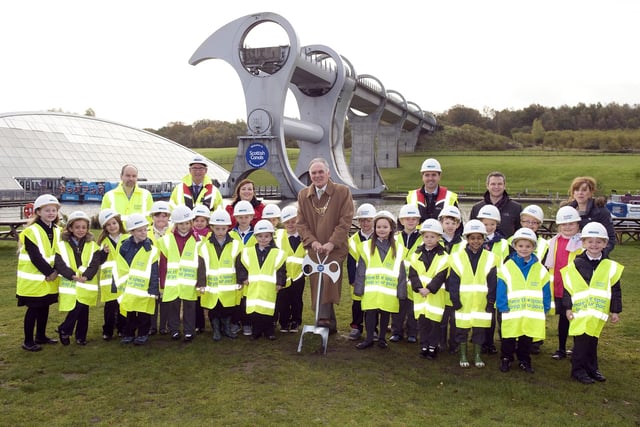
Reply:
x=328, y=92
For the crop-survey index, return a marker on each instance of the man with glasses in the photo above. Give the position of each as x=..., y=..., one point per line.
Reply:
x=196, y=188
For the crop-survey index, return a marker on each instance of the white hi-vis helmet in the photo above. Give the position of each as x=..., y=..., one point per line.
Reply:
x=365, y=210
x=181, y=213
x=409, y=211
x=243, y=208
x=566, y=215
x=271, y=211
x=76, y=215
x=474, y=226
x=263, y=226
x=105, y=215
x=288, y=212
x=594, y=229
x=533, y=211
x=386, y=214
x=526, y=234
x=451, y=211
x=136, y=221
x=160, y=207
x=220, y=217
x=45, y=199
x=431, y=226
x=430, y=165
x=201, y=210
x=489, y=212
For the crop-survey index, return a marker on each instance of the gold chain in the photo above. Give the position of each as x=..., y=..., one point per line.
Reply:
x=320, y=211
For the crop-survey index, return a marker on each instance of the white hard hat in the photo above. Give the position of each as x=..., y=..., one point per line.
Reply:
x=243, y=208
x=181, y=213
x=432, y=226
x=198, y=160
x=474, y=226
x=566, y=215
x=365, y=210
x=271, y=211
x=263, y=226
x=594, y=229
x=45, y=199
x=220, y=217
x=201, y=210
x=534, y=211
x=288, y=212
x=430, y=165
x=451, y=211
x=160, y=206
x=409, y=211
x=76, y=215
x=136, y=221
x=385, y=214
x=489, y=212
x=105, y=215
x=524, y=233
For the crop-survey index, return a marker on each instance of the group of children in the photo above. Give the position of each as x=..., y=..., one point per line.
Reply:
x=171, y=269
x=459, y=286
x=436, y=285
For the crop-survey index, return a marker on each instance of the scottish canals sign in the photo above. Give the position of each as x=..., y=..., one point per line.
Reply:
x=257, y=155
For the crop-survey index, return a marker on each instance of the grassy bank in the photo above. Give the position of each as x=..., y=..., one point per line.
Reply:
x=242, y=382
x=528, y=172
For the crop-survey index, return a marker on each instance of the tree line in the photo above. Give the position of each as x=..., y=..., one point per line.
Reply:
x=611, y=127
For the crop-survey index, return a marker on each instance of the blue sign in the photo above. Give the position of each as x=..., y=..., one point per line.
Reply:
x=257, y=155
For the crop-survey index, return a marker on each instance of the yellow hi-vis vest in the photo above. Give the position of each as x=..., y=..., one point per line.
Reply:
x=355, y=242
x=261, y=291
x=501, y=250
x=450, y=198
x=381, y=278
x=222, y=284
x=591, y=301
x=526, y=307
x=294, y=258
x=139, y=202
x=107, y=268
x=182, y=269
x=406, y=255
x=541, y=249
x=552, y=254
x=473, y=289
x=70, y=290
x=209, y=194
x=134, y=280
x=30, y=281
x=431, y=306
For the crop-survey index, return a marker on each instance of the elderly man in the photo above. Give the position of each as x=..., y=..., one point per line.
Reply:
x=196, y=188
x=325, y=213
x=431, y=197
x=127, y=198
x=497, y=196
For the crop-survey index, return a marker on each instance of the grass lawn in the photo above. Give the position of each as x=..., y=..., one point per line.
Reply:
x=527, y=172
x=243, y=382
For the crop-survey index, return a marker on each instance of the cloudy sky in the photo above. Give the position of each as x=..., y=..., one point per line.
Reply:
x=128, y=60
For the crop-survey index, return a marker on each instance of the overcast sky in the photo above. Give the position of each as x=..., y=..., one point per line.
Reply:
x=128, y=60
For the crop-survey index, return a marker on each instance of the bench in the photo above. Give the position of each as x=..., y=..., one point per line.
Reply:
x=13, y=229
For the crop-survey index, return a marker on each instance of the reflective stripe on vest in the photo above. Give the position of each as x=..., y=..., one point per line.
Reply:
x=70, y=290
x=431, y=306
x=473, y=289
x=135, y=280
x=261, y=291
x=381, y=278
x=591, y=301
x=222, y=284
x=525, y=300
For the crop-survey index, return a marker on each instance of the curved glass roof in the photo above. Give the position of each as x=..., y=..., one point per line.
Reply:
x=56, y=145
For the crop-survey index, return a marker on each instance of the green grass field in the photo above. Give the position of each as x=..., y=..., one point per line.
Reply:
x=242, y=382
x=527, y=172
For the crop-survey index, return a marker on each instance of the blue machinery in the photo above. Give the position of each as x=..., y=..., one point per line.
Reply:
x=328, y=91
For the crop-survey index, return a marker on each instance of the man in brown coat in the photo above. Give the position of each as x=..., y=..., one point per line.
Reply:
x=325, y=213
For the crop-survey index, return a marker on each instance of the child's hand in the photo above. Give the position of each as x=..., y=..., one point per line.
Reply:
x=201, y=290
x=278, y=287
x=570, y=315
x=615, y=317
x=106, y=248
x=53, y=276
x=424, y=292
